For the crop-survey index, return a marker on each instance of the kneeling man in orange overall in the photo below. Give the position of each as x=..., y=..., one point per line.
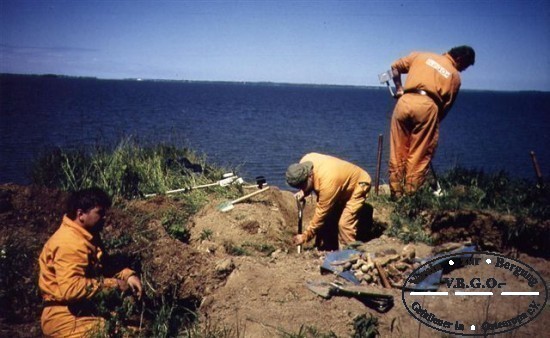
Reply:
x=72, y=275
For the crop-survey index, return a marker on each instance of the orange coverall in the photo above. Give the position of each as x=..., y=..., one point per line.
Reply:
x=416, y=117
x=341, y=188
x=71, y=275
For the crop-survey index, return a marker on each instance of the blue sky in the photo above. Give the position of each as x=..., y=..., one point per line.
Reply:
x=320, y=42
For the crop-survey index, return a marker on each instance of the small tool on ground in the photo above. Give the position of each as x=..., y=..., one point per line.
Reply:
x=229, y=205
x=222, y=183
x=381, y=302
x=301, y=204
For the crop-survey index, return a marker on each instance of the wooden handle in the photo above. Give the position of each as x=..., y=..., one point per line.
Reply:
x=249, y=195
x=383, y=276
x=537, y=168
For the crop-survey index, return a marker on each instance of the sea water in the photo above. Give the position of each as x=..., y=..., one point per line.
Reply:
x=260, y=128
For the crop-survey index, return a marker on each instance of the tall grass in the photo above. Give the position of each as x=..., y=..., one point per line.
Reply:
x=467, y=189
x=128, y=169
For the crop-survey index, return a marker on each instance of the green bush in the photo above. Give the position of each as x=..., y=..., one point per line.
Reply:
x=466, y=189
x=128, y=170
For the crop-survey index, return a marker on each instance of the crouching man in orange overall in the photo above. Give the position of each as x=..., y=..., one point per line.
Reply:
x=341, y=188
x=72, y=276
x=432, y=84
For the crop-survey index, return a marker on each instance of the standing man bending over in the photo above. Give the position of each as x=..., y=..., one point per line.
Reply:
x=433, y=82
x=341, y=188
x=72, y=276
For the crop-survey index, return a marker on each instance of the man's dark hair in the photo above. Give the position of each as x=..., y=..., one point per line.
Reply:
x=86, y=200
x=465, y=53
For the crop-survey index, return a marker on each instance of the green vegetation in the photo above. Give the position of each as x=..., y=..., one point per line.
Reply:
x=18, y=298
x=468, y=190
x=127, y=170
x=206, y=234
x=309, y=332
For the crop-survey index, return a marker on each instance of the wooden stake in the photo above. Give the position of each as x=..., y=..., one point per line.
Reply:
x=383, y=276
x=540, y=181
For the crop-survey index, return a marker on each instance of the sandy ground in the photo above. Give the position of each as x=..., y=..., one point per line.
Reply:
x=241, y=271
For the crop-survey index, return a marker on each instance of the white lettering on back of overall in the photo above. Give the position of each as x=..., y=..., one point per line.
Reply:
x=440, y=69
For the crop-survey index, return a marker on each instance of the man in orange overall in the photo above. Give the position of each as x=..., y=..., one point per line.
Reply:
x=432, y=84
x=341, y=188
x=72, y=275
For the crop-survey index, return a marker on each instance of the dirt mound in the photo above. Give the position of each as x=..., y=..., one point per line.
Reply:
x=236, y=269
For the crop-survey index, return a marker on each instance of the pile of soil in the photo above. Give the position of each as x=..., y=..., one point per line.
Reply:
x=238, y=269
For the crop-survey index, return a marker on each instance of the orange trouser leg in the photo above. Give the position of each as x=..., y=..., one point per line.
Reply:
x=399, y=146
x=423, y=142
x=58, y=321
x=349, y=221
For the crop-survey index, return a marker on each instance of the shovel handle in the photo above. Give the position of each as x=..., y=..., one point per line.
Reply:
x=249, y=195
x=301, y=204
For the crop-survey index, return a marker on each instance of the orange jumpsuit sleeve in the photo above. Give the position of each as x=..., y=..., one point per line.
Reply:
x=404, y=64
x=71, y=261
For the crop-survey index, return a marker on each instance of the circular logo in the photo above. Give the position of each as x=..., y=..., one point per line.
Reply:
x=474, y=293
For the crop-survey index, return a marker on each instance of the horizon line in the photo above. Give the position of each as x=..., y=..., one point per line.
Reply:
x=272, y=83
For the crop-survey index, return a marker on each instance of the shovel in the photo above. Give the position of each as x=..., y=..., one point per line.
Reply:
x=222, y=183
x=381, y=302
x=229, y=205
x=301, y=205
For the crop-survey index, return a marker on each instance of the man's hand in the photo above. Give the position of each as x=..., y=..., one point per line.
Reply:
x=135, y=284
x=299, y=195
x=399, y=92
x=299, y=239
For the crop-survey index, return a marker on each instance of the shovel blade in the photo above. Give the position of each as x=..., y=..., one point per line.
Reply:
x=226, y=206
x=319, y=288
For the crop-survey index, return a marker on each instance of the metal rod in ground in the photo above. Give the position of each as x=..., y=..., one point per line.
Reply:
x=540, y=180
x=378, y=161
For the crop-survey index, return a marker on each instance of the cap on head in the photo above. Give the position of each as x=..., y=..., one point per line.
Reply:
x=297, y=173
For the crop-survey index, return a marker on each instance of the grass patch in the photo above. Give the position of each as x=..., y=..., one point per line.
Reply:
x=128, y=169
x=235, y=250
x=206, y=234
x=468, y=190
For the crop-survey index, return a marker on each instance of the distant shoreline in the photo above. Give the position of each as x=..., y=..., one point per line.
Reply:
x=254, y=83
